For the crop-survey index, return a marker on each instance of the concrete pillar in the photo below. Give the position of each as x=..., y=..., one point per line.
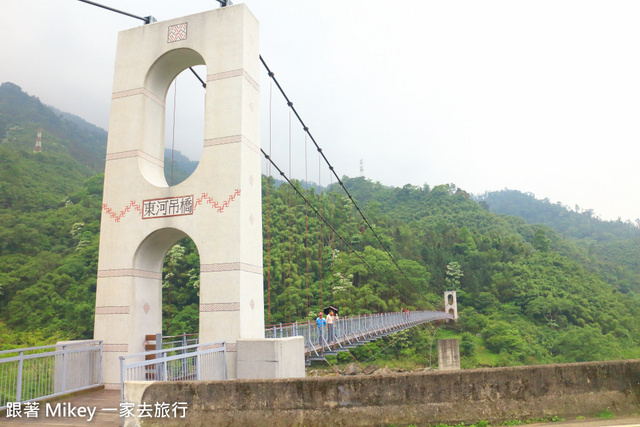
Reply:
x=218, y=206
x=448, y=355
x=271, y=358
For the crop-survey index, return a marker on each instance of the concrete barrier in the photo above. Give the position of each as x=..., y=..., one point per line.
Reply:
x=271, y=358
x=424, y=398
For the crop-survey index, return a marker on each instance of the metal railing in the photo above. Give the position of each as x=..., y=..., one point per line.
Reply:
x=35, y=373
x=187, y=363
x=351, y=331
x=181, y=340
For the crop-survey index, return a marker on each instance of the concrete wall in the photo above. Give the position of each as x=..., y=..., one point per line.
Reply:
x=418, y=398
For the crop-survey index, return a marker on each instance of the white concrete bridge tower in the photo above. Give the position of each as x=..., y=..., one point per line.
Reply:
x=218, y=207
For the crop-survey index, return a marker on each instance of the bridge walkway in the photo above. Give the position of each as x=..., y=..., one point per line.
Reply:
x=351, y=331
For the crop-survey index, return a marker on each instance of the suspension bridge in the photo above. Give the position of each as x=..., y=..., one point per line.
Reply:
x=154, y=216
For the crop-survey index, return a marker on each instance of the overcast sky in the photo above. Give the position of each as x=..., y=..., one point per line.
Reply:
x=538, y=96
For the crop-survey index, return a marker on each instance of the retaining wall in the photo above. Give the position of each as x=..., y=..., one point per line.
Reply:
x=452, y=397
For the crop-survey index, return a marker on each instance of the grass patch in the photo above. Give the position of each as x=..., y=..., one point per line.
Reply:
x=605, y=414
x=484, y=356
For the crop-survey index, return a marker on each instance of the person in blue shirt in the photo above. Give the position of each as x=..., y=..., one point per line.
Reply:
x=320, y=321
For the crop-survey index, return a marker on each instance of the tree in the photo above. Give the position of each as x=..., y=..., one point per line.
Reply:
x=540, y=240
x=454, y=273
x=172, y=265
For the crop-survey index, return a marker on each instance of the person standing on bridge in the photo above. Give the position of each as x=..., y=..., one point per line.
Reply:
x=320, y=321
x=331, y=330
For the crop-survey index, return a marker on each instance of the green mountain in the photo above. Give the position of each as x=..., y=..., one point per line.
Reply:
x=528, y=292
x=576, y=224
x=21, y=115
x=177, y=167
x=611, y=248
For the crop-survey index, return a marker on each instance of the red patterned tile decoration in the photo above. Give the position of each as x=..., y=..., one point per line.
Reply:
x=146, y=308
x=129, y=272
x=215, y=205
x=118, y=216
x=112, y=386
x=122, y=155
x=230, y=266
x=150, y=158
x=234, y=73
x=220, y=266
x=210, y=346
x=223, y=140
x=251, y=81
x=225, y=75
x=115, y=348
x=220, y=206
x=135, y=153
x=231, y=347
x=138, y=91
x=177, y=32
x=246, y=141
x=219, y=306
x=252, y=304
x=233, y=139
x=113, y=309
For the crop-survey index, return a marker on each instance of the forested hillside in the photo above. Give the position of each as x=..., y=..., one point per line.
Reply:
x=21, y=115
x=528, y=292
x=611, y=248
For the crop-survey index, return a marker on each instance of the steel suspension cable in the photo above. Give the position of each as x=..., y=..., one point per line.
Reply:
x=320, y=230
x=331, y=168
x=344, y=241
x=146, y=19
x=269, y=209
x=290, y=228
x=173, y=137
x=306, y=222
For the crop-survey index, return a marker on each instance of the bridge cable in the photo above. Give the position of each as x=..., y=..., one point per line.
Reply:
x=151, y=19
x=306, y=224
x=354, y=358
x=331, y=168
x=173, y=133
x=146, y=19
x=347, y=244
x=320, y=245
x=269, y=212
x=290, y=226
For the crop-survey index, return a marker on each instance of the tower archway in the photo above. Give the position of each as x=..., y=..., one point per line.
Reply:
x=184, y=125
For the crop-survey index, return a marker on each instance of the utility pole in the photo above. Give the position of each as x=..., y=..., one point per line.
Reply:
x=362, y=168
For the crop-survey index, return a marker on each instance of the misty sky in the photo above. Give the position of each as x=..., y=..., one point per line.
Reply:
x=538, y=96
